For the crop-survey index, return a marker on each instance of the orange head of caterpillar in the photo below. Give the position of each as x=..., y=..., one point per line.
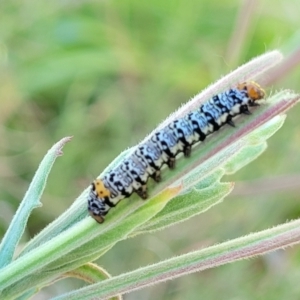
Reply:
x=254, y=90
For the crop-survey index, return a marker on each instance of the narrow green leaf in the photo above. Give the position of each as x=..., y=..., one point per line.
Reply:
x=185, y=206
x=30, y=201
x=244, y=157
x=254, y=145
x=245, y=247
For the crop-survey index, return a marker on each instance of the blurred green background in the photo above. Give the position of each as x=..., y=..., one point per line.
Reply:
x=107, y=72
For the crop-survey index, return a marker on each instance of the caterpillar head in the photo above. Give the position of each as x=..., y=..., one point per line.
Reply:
x=96, y=200
x=253, y=89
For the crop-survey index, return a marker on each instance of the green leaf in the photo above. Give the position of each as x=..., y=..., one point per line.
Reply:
x=245, y=247
x=30, y=201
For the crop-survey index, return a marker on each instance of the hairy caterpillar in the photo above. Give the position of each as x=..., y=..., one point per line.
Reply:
x=132, y=173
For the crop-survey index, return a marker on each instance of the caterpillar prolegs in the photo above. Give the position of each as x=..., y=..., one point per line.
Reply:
x=132, y=173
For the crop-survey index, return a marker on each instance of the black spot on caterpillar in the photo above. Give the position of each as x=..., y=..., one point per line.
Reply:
x=132, y=173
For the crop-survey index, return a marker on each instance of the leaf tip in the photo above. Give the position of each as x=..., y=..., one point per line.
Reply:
x=59, y=145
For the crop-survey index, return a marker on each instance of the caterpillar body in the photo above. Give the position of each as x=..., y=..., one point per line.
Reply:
x=132, y=173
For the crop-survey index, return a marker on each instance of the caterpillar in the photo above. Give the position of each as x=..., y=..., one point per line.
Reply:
x=132, y=173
